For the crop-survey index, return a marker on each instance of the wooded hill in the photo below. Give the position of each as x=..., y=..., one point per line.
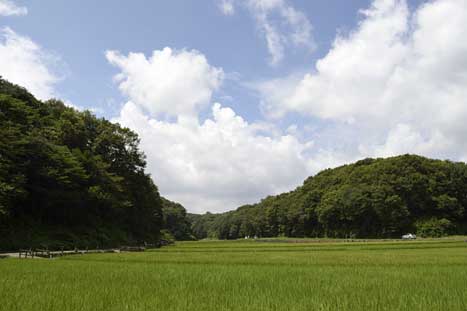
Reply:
x=372, y=198
x=70, y=179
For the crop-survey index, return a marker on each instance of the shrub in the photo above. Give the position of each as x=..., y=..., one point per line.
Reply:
x=434, y=227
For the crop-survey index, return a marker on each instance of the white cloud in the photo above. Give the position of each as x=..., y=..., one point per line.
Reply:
x=169, y=82
x=218, y=164
x=8, y=8
x=24, y=62
x=227, y=7
x=403, y=138
x=281, y=24
x=213, y=165
x=400, y=79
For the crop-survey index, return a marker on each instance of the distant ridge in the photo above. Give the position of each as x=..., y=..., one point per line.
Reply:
x=371, y=198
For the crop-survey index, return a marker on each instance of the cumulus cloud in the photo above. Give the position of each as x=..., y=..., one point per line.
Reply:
x=220, y=163
x=215, y=164
x=8, y=8
x=279, y=22
x=24, y=62
x=169, y=82
x=399, y=78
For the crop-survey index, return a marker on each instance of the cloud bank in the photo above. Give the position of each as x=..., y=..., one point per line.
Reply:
x=215, y=164
x=399, y=78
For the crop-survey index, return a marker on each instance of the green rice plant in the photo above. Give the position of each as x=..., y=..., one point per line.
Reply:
x=247, y=275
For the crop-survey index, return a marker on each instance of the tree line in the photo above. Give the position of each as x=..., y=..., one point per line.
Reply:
x=372, y=198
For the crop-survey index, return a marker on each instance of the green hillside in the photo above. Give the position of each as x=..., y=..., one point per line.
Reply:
x=370, y=198
x=70, y=179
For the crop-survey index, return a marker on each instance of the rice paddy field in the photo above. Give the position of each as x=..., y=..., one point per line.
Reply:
x=247, y=275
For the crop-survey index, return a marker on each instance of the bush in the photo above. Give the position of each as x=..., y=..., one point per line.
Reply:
x=434, y=227
x=167, y=236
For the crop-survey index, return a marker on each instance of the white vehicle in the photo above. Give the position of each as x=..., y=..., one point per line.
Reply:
x=409, y=236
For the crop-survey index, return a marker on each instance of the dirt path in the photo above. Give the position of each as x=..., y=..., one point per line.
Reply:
x=54, y=254
x=10, y=255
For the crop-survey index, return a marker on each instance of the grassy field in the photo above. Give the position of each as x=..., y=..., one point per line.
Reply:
x=246, y=275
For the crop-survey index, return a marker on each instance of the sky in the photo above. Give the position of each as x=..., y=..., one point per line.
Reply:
x=235, y=100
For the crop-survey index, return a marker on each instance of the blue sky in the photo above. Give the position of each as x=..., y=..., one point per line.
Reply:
x=81, y=31
x=227, y=117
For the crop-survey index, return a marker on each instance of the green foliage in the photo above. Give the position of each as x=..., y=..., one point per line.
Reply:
x=167, y=236
x=371, y=198
x=69, y=178
x=176, y=224
x=202, y=226
x=434, y=227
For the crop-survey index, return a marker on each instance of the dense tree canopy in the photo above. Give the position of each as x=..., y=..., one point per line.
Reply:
x=68, y=178
x=370, y=198
x=176, y=223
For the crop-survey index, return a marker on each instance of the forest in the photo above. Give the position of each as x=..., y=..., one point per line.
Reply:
x=70, y=179
x=372, y=198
